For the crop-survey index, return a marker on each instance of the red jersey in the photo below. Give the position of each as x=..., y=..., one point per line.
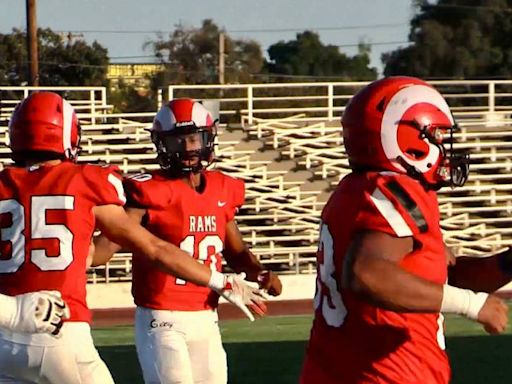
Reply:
x=196, y=222
x=46, y=224
x=351, y=340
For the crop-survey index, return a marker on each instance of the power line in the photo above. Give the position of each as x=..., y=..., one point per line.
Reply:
x=370, y=44
x=260, y=30
x=337, y=45
x=468, y=7
x=348, y=27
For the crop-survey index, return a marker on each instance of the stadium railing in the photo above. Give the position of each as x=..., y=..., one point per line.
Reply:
x=281, y=218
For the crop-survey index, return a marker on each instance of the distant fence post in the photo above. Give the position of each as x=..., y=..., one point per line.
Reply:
x=92, y=99
x=103, y=97
x=330, y=101
x=159, y=98
x=249, y=104
x=492, y=96
x=170, y=93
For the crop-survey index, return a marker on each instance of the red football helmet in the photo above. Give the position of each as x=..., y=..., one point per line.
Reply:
x=175, y=121
x=44, y=122
x=401, y=124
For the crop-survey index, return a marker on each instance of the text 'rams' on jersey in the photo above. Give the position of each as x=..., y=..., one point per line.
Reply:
x=196, y=222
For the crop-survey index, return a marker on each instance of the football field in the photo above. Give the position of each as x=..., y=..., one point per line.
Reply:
x=270, y=350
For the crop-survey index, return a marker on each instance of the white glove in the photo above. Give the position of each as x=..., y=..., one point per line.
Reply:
x=34, y=312
x=237, y=291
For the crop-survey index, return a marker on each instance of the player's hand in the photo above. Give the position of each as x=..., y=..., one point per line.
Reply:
x=493, y=315
x=246, y=297
x=40, y=312
x=270, y=282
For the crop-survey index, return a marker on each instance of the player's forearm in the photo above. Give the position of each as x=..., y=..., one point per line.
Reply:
x=485, y=274
x=104, y=249
x=386, y=285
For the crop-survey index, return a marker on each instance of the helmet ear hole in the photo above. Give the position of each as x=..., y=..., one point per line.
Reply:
x=415, y=153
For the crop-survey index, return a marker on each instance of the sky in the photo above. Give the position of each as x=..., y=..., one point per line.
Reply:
x=123, y=26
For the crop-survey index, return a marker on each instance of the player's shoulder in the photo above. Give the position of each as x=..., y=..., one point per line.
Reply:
x=399, y=185
x=224, y=179
x=140, y=179
x=149, y=189
x=96, y=170
x=147, y=181
x=405, y=189
x=400, y=193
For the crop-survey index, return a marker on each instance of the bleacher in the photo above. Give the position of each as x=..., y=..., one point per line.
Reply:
x=291, y=160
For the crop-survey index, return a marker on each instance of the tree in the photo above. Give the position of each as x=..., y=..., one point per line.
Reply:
x=128, y=98
x=308, y=56
x=60, y=63
x=191, y=56
x=456, y=39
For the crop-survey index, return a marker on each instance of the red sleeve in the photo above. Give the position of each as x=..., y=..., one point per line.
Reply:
x=143, y=191
x=235, y=192
x=391, y=205
x=105, y=184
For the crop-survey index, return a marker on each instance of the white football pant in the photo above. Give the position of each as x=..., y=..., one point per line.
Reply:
x=42, y=358
x=182, y=347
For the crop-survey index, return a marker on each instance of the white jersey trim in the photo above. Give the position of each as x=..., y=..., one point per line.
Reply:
x=389, y=212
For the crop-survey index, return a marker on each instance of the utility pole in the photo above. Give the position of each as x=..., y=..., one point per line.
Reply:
x=33, y=56
x=221, y=58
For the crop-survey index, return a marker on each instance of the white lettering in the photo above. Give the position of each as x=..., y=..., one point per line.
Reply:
x=202, y=223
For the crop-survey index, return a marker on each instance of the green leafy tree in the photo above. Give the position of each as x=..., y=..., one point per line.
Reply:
x=191, y=56
x=60, y=62
x=129, y=98
x=456, y=39
x=307, y=56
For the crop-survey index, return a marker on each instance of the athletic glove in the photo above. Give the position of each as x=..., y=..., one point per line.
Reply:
x=236, y=290
x=34, y=312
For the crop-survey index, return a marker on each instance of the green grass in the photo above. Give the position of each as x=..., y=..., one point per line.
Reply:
x=271, y=351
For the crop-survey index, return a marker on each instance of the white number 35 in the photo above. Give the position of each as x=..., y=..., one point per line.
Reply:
x=39, y=229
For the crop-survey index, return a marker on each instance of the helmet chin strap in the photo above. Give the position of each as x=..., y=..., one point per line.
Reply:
x=413, y=172
x=192, y=180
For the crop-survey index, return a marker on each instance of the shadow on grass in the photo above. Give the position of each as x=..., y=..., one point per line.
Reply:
x=249, y=363
x=481, y=359
x=475, y=360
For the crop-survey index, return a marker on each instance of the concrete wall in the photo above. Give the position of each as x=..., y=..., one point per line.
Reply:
x=117, y=295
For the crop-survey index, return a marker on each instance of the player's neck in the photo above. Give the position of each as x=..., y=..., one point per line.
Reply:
x=195, y=181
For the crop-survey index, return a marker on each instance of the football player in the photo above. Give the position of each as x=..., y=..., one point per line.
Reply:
x=177, y=335
x=382, y=270
x=50, y=207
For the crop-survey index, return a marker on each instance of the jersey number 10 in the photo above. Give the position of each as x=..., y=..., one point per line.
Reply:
x=208, y=247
